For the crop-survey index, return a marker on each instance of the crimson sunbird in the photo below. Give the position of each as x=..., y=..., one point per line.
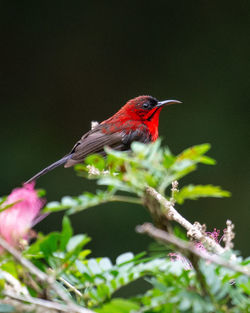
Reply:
x=137, y=120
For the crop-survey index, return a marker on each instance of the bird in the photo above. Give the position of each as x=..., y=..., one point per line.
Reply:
x=137, y=120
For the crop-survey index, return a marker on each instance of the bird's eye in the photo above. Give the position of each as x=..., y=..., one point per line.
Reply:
x=145, y=105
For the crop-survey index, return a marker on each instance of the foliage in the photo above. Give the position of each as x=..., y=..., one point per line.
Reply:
x=173, y=288
x=93, y=282
x=147, y=165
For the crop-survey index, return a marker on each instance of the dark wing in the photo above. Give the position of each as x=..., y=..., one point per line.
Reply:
x=94, y=143
x=95, y=140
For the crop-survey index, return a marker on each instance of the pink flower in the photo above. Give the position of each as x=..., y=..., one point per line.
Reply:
x=215, y=234
x=187, y=265
x=24, y=212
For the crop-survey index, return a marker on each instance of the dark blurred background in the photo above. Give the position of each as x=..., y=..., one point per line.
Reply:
x=66, y=63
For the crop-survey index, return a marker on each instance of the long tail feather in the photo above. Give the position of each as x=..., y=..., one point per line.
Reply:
x=49, y=168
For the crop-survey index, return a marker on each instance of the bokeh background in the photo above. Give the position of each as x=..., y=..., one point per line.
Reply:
x=65, y=63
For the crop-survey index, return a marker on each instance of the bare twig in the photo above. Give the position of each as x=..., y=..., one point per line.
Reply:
x=40, y=302
x=164, y=237
x=71, y=287
x=13, y=283
x=193, y=230
x=46, y=279
x=26, y=263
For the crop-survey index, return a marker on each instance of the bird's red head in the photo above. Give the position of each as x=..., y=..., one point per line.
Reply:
x=146, y=109
x=139, y=113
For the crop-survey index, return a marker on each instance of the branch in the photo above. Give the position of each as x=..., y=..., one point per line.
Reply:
x=164, y=237
x=193, y=230
x=71, y=287
x=40, y=302
x=72, y=307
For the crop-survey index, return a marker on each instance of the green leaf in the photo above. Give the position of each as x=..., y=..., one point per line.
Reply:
x=178, y=232
x=207, y=160
x=125, y=257
x=196, y=153
x=41, y=193
x=2, y=283
x=96, y=160
x=74, y=248
x=88, y=200
x=105, y=264
x=76, y=204
x=168, y=158
x=185, y=304
x=118, y=306
x=115, y=182
x=66, y=233
x=11, y=268
x=194, y=192
x=50, y=244
x=77, y=240
x=138, y=147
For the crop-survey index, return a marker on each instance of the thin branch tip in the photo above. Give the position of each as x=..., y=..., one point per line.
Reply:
x=142, y=229
x=181, y=245
x=195, y=231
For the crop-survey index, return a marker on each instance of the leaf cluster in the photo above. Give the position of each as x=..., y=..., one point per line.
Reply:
x=172, y=288
x=93, y=282
x=131, y=172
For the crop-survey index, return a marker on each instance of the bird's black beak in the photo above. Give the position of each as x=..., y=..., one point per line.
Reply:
x=167, y=102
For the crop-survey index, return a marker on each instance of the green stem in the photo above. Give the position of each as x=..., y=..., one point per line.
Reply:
x=125, y=199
